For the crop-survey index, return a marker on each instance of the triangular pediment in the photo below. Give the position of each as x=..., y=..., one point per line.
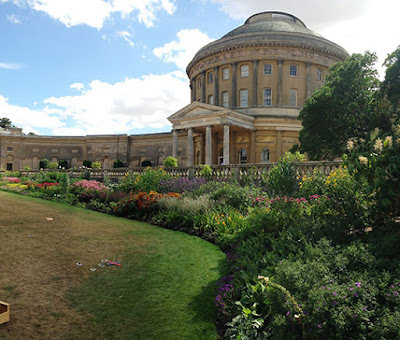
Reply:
x=196, y=109
x=199, y=114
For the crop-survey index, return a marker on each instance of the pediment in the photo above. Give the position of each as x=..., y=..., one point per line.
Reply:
x=196, y=110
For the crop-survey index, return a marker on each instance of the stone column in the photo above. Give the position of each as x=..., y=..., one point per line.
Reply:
x=226, y=144
x=175, y=144
x=190, y=147
x=233, y=87
x=194, y=90
x=308, y=80
x=216, y=86
x=280, y=82
x=255, y=84
x=203, y=86
x=253, y=156
x=278, y=144
x=208, y=145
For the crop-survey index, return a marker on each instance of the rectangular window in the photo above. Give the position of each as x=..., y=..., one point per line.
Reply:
x=9, y=166
x=225, y=73
x=320, y=75
x=211, y=99
x=244, y=70
x=293, y=71
x=199, y=83
x=267, y=98
x=10, y=149
x=244, y=98
x=225, y=99
x=210, y=78
x=292, y=97
x=267, y=69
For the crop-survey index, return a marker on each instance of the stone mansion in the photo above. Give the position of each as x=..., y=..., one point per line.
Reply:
x=246, y=92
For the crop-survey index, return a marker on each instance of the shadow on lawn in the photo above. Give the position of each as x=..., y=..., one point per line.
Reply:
x=205, y=308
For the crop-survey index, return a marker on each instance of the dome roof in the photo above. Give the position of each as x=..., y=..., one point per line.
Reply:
x=271, y=28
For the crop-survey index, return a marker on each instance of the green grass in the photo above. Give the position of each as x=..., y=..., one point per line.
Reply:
x=164, y=289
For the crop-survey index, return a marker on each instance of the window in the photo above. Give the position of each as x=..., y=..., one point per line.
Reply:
x=9, y=166
x=292, y=97
x=265, y=156
x=267, y=69
x=211, y=78
x=320, y=75
x=267, y=97
x=221, y=156
x=244, y=98
x=199, y=83
x=242, y=156
x=293, y=71
x=225, y=99
x=10, y=149
x=244, y=70
x=225, y=73
x=211, y=99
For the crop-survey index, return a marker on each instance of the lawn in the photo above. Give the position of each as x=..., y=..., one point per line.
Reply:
x=163, y=290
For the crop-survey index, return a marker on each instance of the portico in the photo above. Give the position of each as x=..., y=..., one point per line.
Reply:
x=204, y=125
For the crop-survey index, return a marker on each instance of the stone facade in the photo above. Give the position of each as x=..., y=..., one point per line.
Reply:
x=246, y=92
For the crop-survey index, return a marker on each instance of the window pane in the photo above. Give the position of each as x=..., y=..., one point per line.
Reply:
x=292, y=97
x=225, y=73
x=244, y=98
x=242, y=156
x=267, y=69
x=293, y=70
x=211, y=99
x=225, y=99
x=244, y=70
x=267, y=100
x=210, y=78
x=319, y=75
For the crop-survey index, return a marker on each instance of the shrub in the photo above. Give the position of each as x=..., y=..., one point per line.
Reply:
x=53, y=165
x=87, y=164
x=118, y=164
x=44, y=163
x=180, y=185
x=63, y=164
x=170, y=162
x=148, y=180
x=96, y=165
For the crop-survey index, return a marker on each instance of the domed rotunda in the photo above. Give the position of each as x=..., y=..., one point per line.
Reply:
x=247, y=89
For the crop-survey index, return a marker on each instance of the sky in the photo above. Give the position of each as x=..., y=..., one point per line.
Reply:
x=90, y=67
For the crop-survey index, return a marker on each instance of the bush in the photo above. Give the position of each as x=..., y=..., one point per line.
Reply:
x=96, y=165
x=180, y=185
x=148, y=180
x=118, y=164
x=63, y=164
x=87, y=164
x=171, y=162
x=44, y=163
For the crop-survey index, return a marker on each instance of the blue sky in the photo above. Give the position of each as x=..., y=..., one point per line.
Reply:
x=77, y=67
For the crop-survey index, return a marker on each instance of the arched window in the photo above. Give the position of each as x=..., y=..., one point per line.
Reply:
x=242, y=156
x=265, y=155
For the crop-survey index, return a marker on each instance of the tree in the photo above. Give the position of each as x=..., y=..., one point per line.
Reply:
x=341, y=109
x=391, y=84
x=5, y=123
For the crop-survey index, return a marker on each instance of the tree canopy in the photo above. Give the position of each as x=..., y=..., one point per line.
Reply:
x=391, y=84
x=5, y=123
x=341, y=109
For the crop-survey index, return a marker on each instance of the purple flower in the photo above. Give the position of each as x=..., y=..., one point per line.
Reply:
x=395, y=293
x=323, y=287
x=334, y=293
x=358, y=284
x=355, y=315
x=364, y=309
x=356, y=294
x=319, y=325
x=287, y=314
x=334, y=303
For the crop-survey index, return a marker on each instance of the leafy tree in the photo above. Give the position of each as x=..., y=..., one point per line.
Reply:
x=171, y=161
x=341, y=109
x=5, y=123
x=391, y=84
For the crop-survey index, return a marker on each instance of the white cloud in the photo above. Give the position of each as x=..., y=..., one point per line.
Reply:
x=10, y=66
x=311, y=12
x=77, y=86
x=181, y=51
x=29, y=119
x=126, y=36
x=95, y=12
x=122, y=107
x=13, y=19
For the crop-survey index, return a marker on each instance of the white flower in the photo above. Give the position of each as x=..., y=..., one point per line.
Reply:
x=350, y=145
x=378, y=146
x=363, y=160
x=389, y=141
